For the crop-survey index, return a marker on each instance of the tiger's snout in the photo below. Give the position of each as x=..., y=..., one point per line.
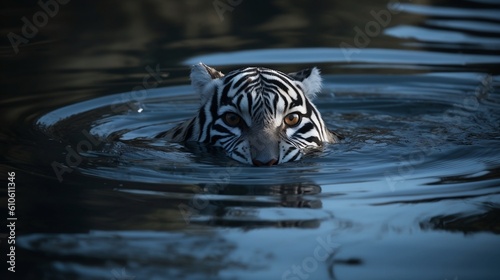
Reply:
x=264, y=151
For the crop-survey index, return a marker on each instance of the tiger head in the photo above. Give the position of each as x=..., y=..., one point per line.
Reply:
x=258, y=116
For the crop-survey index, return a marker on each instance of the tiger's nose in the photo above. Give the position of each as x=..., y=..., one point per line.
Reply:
x=260, y=163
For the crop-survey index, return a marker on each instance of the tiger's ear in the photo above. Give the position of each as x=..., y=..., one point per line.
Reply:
x=310, y=80
x=202, y=78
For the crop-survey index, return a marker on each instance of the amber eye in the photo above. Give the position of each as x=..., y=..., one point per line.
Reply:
x=231, y=119
x=292, y=119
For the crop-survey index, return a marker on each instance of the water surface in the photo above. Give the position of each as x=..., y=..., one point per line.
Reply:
x=412, y=192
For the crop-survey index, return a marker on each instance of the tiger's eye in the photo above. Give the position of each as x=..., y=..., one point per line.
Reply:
x=292, y=119
x=232, y=119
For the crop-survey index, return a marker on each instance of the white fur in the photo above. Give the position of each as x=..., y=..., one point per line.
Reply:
x=312, y=84
x=203, y=81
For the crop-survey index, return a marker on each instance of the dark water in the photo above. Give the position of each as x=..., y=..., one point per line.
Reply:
x=412, y=192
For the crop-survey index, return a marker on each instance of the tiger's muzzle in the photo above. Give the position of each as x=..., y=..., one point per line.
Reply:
x=264, y=147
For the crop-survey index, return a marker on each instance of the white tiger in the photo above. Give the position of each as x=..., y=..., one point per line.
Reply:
x=257, y=115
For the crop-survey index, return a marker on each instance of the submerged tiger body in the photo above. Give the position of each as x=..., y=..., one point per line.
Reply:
x=258, y=116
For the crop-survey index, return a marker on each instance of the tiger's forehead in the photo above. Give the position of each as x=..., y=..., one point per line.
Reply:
x=263, y=81
x=260, y=110
x=259, y=94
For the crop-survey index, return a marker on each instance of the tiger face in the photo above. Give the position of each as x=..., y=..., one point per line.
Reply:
x=258, y=116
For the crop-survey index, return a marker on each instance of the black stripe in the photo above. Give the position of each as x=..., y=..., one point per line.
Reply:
x=238, y=102
x=234, y=144
x=278, y=83
x=299, y=101
x=224, y=100
x=228, y=78
x=214, y=106
x=246, y=87
x=314, y=139
x=221, y=129
x=285, y=80
x=291, y=149
x=285, y=100
x=189, y=131
x=240, y=81
x=207, y=135
x=282, y=77
x=215, y=138
x=295, y=156
x=250, y=103
x=300, y=141
x=178, y=130
x=224, y=143
x=272, y=89
x=235, y=73
x=311, y=110
x=305, y=128
x=236, y=152
x=269, y=107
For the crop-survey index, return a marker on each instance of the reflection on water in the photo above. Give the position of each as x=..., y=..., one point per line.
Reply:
x=486, y=221
x=411, y=192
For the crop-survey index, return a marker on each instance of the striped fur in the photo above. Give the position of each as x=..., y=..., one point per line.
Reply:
x=261, y=98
